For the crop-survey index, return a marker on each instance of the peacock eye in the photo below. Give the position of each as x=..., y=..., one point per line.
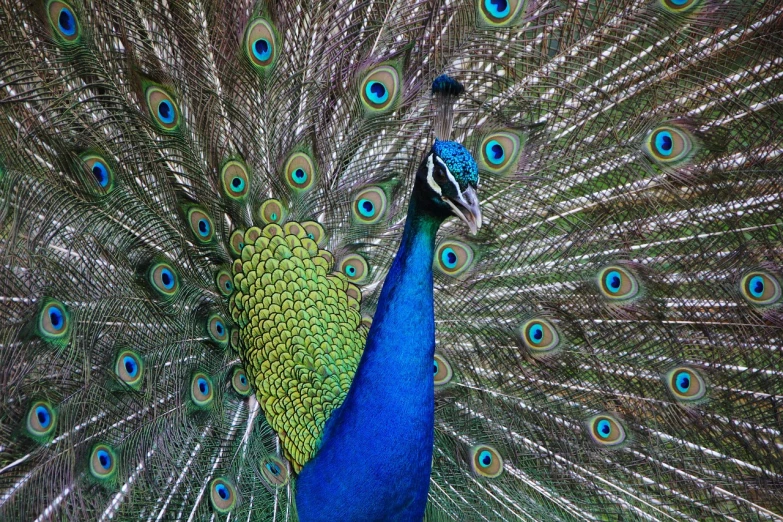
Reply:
x=54, y=323
x=236, y=242
x=40, y=420
x=486, y=461
x=500, y=13
x=224, y=283
x=163, y=109
x=355, y=268
x=500, y=151
x=606, y=430
x=539, y=336
x=201, y=225
x=380, y=89
x=441, y=370
x=101, y=173
x=201, y=392
x=163, y=279
x=617, y=283
x=315, y=232
x=369, y=205
x=217, y=330
x=300, y=172
x=222, y=495
x=261, y=44
x=128, y=367
x=274, y=471
x=63, y=20
x=685, y=384
x=760, y=288
x=235, y=180
x=453, y=258
x=103, y=462
x=680, y=6
x=271, y=211
x=670, y=145
x=240, y=382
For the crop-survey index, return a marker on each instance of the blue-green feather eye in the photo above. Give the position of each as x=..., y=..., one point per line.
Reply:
x=617, y=283
x=272, y=211
x=217, y=330
x=606, y=430
x=235, y=180
x=300, y=172
x=261, y=46
x=539, y=336
x=680, y=6
x=222, y=495
x=380, y=89
x=486, y=461
x=441, y=370
x=761, y=288
x=369, y=205
x=224, y=282
x=163, y=278
x=670, y=145
x=100, y=171
x=54, y=322
x=201, y=225
x=274, y=471
x=201, y=391
x=162, y=108
x=500, y=151
x=453, y=258
x=41, y=420
x=240, y=382
x=459, y=161
x=685, y=384
x=355, y=268
x=129, y=368
x=500, y=13
x=103, y=462
x=64, y=22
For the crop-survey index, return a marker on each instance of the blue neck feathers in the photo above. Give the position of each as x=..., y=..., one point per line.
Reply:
x=375, y=458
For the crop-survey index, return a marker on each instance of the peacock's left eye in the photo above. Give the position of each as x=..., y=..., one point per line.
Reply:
x=201, y=225
x=162, y=108
x=355, y=268
x=685, y=384
x=606, y=430
x=103, y=462
x=225, y=284
x=163, y=279
x=442, y=370
x=54, y=322
x=274, y=471
x=453, y=258
x=670, y=145
x=486, y=461
x=218, y=332
x=760, y=288
x=63, y=19
x=617, y=283
x=500, y=151
x=40, y=420
x=240, y=382
x=201, y=392
x=128, y=368
x=271, y=211
x=500, y=13
x=235, y=180
x=300, y=172
x=261, y=44
x=369, y=205
x=380, y=88
x=222, y=495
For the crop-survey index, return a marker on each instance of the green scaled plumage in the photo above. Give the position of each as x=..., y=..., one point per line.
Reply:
x=608, y=346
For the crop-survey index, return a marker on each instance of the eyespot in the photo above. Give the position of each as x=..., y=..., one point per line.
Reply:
x=685, y=384
x=617, y=283
x=500, y=13
x=442, y=370
x=486, y=461
x=54, y=322
x=103, y=462
x=201, y=392
x=234, y=339
x=500, y=152
x=606, y=430
x=222, y=495
x=217, y=329
x=129, y=368
x=299, y=172
x=369, y=205
x=41, y=420
x=380, y=88
x=760, y=288
x=225, y=284
x=315, y=232
x=274, y=471
x=163, y=109
x=670, y=145
x=100, y=172
x=453, y=258
x=680, y=6
x=272, y=211
x=240, y=382
x=355, y=268
x=261, y=46
x=64, y=22
x=237, y=242
x=539, y=336
x=235, y=180
x=163, y=279
x=201, y=225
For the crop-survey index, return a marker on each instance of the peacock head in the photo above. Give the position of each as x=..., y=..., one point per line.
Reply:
x=449, y=177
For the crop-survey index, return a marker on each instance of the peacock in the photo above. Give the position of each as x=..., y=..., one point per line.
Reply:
x=375, y=260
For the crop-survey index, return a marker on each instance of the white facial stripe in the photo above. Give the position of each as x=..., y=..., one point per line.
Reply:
x=451, y=178
x=430, y=179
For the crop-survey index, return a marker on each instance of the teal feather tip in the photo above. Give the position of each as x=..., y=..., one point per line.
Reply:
x=459, y=161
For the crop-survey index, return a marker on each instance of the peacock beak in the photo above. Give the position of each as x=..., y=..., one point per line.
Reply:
x=466, y=207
